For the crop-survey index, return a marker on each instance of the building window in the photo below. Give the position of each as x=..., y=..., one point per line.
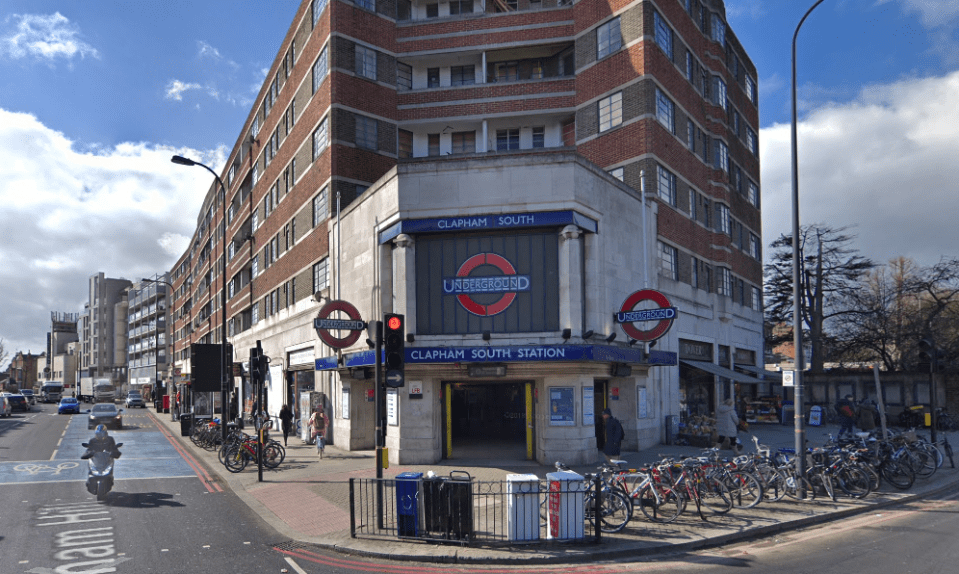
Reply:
x=725, y=286
x=255, y=314
x=722, y=156
x=404, y=10
x=404, y=76
x=617, y=173
x=365, y=62
x=432, y=10
x=290, y=116
x=719, y=30
x=665, y=111
x=367, y=4
x=693, y=203
x=754, y=248
x=462, y=75
x=321, y=68
x=722, y=219
x=689, y=66
x=433, y=144
x=230, y=175
x=608, y=38
x=752, y=142
x=757, y=302
x=321, y=275
x=321, y=138
x=610, y=111
x=694, y=269
x=752, y=194
x=664, y=34
x=507, y=139
x=405, y=144
x=536, y=71
x=735, y=122
x=539, y=136
x=318, y=7
x=321, y=206
x=256, y=172
x=667, y=185
x=669, y=261
x=691, y=135
x=719, y=92
x=256, y=125
x=255, y=266
x=751, y=89
x=433, y=78
x=366, y=132
x=464, y=142
x=461, y=7
x=507, y=71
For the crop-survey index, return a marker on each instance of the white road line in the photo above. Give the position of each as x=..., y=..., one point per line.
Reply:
x=59, y=442
x=54, y=455
x=294, y=565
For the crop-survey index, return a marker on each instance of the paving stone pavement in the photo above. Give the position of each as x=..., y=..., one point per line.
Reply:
x=307, y=499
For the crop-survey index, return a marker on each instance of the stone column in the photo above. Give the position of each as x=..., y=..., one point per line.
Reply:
x=571, y=302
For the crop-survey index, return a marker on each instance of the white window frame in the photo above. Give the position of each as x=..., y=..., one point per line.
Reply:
x=669, y=261
x=321, y=138
x=725, y=284
x=664, y=34
x=719, y=30
x=752, y=141
x=321, y=274
x=321, y=203
x=665, y=111
x=725, y=219
x=757, y=299
x=321, y=68
x=365, y=62
x=366, y=132
x=610, y=111
x=609, y=39
x=721, y=161
x=666, y=185
x=752, y=193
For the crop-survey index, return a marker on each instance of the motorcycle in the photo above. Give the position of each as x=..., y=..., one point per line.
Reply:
x=100, y=471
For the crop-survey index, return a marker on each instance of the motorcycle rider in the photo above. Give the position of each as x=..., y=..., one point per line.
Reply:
x=101, y=442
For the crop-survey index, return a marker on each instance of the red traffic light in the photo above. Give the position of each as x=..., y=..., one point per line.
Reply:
x=394, y=323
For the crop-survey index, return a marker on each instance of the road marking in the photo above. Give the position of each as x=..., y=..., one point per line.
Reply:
x=294, y=565
x=54, y=455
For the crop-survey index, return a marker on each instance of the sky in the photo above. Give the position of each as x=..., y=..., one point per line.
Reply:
x=96, y=96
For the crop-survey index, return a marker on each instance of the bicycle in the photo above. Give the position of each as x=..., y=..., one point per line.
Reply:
x=615, y=510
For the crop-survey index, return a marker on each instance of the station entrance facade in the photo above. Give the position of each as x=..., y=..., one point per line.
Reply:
x=488, y=419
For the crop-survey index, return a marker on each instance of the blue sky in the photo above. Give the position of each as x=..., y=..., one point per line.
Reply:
x=96, y=96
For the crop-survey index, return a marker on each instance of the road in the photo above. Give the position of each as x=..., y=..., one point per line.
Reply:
x=169, y=514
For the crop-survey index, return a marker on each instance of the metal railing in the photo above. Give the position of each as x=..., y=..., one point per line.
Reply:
x=460, y=510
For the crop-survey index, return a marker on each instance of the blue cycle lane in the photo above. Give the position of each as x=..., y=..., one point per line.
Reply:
x=147, y=454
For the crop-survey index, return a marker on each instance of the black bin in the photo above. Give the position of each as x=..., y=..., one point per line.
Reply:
x=185, y=424
x=448, y=503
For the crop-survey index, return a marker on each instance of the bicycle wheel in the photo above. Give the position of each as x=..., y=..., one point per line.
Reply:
x=615, y=513
x=714, y=495
x=853, y=481
x=273, y=455
x=796, y=486
x=822, y=484
x=899, y=475
x=745, y=489
x=774, y=483
x=661, y=506
x=235, y=459
x=921, y=461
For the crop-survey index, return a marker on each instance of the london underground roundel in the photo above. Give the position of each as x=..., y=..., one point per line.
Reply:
x=469, y=284
x=654, y=310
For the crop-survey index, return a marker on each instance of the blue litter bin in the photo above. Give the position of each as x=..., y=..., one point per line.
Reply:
x=408, y=487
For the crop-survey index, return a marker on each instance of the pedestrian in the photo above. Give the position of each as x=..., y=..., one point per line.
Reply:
x=614, y=435
x=847, y=414
x=318, y=424
x=727, y=426
x=866, y=416
x=286, y=421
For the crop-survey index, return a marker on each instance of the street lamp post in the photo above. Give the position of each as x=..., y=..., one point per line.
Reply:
x=224, y=387
x=797, y=313
x=169, y=298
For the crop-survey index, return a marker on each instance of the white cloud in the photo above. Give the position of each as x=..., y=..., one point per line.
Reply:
x=47, y=37
x=883, y=163
x=175, y=89
x=68, y=214
x=207, y=50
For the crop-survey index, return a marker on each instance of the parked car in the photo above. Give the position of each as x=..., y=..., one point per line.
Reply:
x=19, y=403
x=106, y=414
x=28, y=393
x=135, y=399
x=68, y=405
x=5, y=409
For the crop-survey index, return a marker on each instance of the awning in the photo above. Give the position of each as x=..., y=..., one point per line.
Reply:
x=721, y=371
x=772, y=376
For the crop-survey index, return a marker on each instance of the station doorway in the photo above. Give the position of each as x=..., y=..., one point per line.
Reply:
x=488, y=420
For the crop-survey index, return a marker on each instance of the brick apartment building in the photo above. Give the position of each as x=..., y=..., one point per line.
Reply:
x=399, y=150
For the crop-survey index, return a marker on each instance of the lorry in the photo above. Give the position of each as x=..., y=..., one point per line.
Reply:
x=104, y=391
x=51, y=391
x=85, y=389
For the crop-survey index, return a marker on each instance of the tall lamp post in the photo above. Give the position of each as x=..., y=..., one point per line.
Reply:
x=224, y=381
x=169, y=298
x=797, y=312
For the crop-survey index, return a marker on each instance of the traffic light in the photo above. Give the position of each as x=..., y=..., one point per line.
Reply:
x=255, y=367
x=394, y=348
x=931, y=356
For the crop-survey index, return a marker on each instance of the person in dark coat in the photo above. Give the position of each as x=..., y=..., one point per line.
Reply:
x=614, y=435
x=847, y=414
x=286, y=421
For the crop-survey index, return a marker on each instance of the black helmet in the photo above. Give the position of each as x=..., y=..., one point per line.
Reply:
x=101, y=432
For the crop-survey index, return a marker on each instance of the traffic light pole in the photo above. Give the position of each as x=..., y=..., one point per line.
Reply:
x=379, y=400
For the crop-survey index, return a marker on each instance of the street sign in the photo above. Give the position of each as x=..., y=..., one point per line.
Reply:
x=394, y=378
x=338, y=324
x=789, y=379
x=662, y=313
x=324, y=324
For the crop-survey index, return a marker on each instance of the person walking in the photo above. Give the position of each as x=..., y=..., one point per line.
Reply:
x=866, y=416
x=727, y=426
x=318, y=424
x=614, y=436
x=847, y=415
x=286, y=421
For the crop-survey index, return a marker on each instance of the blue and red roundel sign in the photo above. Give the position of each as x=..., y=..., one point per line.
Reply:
x=654, y=308
x=486, y=284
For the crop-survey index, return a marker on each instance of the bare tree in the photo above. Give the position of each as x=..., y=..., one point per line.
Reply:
x=830, y=270
x=3, y=352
